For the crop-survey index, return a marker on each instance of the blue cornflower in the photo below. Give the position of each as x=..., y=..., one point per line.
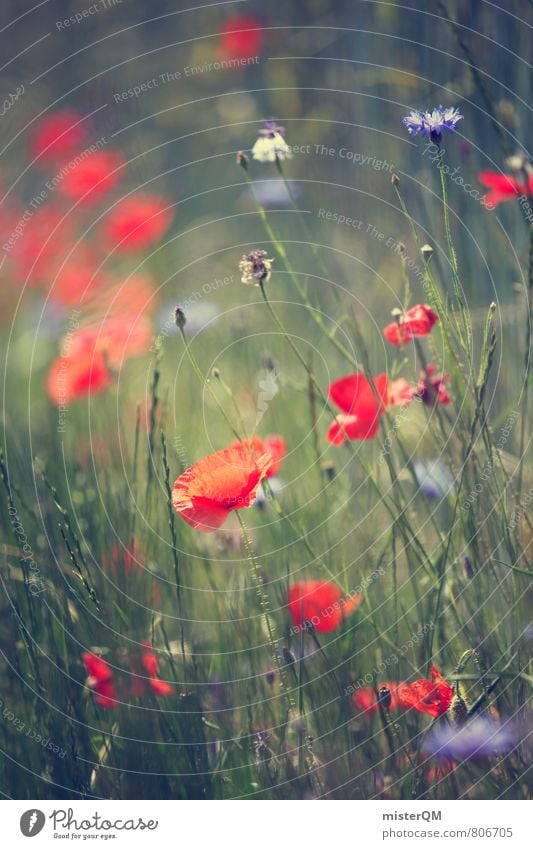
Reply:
x=433, y=123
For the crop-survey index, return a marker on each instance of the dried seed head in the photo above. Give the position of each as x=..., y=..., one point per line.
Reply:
x=255, y=268
x=395, y=180
x=427, y=252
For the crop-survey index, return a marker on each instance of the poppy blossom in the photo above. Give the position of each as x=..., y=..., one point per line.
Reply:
x=227, y=480
x=364, y=698
x=57, y=134
x=149, y=673
x=275, y=445
x=241, y=37
x=118, y=337
x=92, y=177
x=361, y=402
x=433, y=387
x=504, y=186
x=137, y=222
x=92, y=352
x=416, y=322
x=77, y=280
x=320, y=605
x=71, y=378
x=433, y=696
x=401, y=392
x=45, y=240
x=100, y=680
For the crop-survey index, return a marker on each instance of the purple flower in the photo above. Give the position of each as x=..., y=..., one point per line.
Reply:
x=479, y=737
x=271, y=129
x=271, y=145
x=433, y=123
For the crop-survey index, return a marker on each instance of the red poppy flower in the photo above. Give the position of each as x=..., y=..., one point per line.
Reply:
x=433, y=697
x=77, y=280
x=100, y=680
x=433, y=387
x=148, y=673
x=364, y=698
x=275, y=445
x=319, y=604
x=504, y=186
x=44, y=242
x=116, y=337
x=227, y=480
x=71, y=378
x=93, y=177
x=57, y=134
x=417, y=321
x=362, y=403
x=137, y=222
x=241, y=37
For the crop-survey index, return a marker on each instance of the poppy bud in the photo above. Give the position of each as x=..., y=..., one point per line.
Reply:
x=179, y=318
x=458, y=710
x=384, y=697
x=242, y=160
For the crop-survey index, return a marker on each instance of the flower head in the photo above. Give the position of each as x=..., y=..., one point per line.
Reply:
x=479, y=737
x=505, y=186
x=241, y=37
x=433, y=123
x=362, y=404
x=433, y=388
x=319, y=605
x=137, y=222
x=416, y=322
x=227, y=480
x=57, y=135
x=433, y=696
x=271, y=146
x=255, y=268
x=100, y=680
x=148, y=674
x=275, y=445
x=92, y=177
